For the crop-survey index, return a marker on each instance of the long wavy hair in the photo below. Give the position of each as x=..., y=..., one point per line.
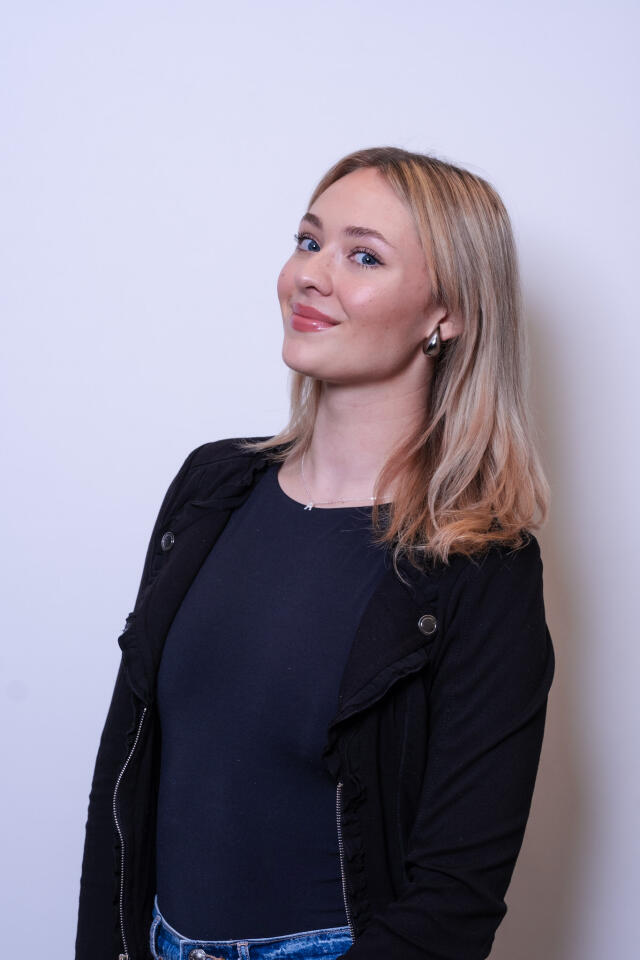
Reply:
x=470, y=475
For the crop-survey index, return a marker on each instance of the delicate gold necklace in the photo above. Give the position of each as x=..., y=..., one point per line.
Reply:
x=314, y=503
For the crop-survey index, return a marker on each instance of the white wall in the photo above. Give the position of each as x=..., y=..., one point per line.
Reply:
x=156, y=159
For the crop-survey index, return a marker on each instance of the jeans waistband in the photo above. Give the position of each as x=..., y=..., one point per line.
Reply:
x=167, y=944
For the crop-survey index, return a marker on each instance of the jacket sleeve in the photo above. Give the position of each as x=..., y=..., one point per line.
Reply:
x=488, y=703
x=97, y=927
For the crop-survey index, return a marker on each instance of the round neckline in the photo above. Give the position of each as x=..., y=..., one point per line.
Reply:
x=298, y=503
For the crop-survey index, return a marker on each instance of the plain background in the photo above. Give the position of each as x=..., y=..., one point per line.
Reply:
x=156, y=159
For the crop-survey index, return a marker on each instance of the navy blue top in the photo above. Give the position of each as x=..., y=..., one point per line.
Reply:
x=247, y=842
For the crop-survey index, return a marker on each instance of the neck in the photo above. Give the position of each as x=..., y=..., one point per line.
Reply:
x=354, y=433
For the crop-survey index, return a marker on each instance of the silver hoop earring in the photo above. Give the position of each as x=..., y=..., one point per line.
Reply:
x=433, y=345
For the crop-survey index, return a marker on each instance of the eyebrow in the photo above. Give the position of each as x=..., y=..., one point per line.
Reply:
x=349, y=231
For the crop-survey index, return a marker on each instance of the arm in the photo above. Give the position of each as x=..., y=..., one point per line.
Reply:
x=97, y=929
x=487, y=716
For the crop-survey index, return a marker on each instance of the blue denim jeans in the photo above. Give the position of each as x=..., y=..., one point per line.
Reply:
x=326, y=944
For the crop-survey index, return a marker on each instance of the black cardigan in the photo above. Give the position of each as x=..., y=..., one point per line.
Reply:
x=434, y=746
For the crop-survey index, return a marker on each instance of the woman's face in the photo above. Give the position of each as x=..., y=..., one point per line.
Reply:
x=376, y=289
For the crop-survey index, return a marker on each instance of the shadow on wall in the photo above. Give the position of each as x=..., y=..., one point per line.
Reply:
x=539, y=900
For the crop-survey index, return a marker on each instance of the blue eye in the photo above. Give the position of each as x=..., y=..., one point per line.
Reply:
x=299, y=237
x=367, y=254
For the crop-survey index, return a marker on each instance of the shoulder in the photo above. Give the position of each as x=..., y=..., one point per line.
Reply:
x=218, y=451
x=207, y=468
x=497, y=591
x=217, y=458
x=498, y=603
x=494, y=621
x=497, y=596
x=497, y=569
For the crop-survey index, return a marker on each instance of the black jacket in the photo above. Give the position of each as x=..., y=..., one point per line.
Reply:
x=434, y=745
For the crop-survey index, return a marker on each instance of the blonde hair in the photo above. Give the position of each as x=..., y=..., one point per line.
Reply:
x=470, y=475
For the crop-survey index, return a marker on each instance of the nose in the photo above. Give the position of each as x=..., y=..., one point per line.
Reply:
x=314, y=272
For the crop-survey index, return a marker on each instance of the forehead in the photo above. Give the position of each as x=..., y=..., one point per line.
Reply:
x=364, y=197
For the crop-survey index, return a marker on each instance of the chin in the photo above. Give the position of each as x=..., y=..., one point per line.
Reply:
x=300, y=359
x=307, y=369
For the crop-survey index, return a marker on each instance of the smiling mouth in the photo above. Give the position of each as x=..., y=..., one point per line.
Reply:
x=310, y=324
x=302, y=310
x=307, y=319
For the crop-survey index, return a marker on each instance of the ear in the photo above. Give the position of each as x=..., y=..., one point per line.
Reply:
x=451, y=325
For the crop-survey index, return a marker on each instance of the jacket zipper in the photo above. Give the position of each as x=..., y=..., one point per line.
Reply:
x=341, y=851
x=125, y=954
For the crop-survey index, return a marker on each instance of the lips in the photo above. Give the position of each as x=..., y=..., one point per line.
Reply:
x=311, y=313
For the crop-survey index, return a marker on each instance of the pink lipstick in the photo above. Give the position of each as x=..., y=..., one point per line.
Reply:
x=308, y=319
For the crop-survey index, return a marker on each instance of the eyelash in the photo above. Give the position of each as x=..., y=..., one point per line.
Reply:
x=298, y=237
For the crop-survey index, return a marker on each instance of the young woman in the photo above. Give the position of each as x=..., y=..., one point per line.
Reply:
x=326, y=727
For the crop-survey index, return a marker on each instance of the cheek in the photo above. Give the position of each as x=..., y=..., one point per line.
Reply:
x=285, y=284
x=375, y=308
x=364, y=300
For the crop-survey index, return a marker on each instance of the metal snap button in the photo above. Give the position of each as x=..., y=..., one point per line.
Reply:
x=167, y=541
x=427, y=624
